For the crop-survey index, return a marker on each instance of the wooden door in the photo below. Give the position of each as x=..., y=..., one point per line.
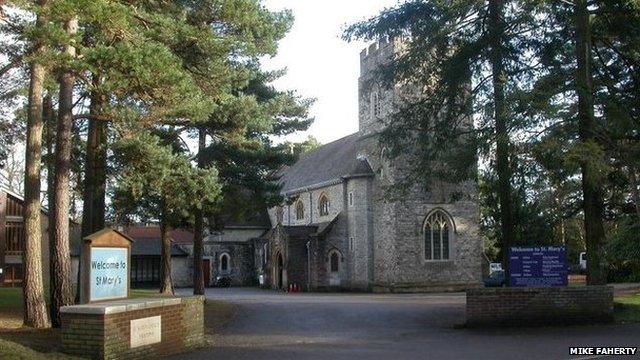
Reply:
x=334, y=269
x=206, y=270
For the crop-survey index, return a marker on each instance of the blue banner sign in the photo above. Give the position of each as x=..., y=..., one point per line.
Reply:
x=538, y=266
x=109, y=269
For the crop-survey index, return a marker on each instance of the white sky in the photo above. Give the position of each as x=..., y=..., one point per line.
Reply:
x=320, y=64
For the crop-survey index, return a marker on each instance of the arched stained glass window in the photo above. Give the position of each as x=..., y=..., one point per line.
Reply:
x=437, y=234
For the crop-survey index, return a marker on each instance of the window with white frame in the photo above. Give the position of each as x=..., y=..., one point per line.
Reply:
x=438, y=233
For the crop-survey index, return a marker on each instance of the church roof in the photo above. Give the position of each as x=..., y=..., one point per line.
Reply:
x=304, y=231
x=330, y=162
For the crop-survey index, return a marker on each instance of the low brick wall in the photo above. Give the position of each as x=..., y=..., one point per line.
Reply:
x=103, y=331
x=539, y=306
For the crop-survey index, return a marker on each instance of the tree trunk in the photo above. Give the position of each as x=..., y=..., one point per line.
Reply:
x=49, y=124
x=93, y=209
x=198, y=230
x=61, y=294
x=166, y=284
x=635, y=193
x=496, y=30
x=35, y=311
x=50, y=131
x=592, y=191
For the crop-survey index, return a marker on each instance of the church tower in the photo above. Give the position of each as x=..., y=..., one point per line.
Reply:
x=427, y=239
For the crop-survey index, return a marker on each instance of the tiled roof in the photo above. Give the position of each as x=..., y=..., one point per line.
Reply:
x=153, y=247
x=327, y=163
x=179, y=236
x=147, y=242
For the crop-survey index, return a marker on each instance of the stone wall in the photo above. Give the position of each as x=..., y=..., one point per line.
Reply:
x=311, y=200
x=336, y=239
x=539, y=306
x=242, y=270
x=104, y=332
x=182, y=271
x=360, y=233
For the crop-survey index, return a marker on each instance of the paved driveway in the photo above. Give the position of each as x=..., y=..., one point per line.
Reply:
x=272, y=325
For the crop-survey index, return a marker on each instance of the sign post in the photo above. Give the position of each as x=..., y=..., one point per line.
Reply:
x=104, y=266
x=538, y=266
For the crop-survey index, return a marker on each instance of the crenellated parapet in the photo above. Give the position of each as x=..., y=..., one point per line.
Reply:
x=377, y=53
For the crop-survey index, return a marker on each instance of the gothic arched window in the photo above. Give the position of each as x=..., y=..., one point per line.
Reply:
x=323, y=203
x=438, y=231
x=299, y=210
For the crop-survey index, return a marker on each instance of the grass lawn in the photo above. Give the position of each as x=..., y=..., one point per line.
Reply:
x=10, y=308
x=21, y=343
x=627, y=308
x=17, y=342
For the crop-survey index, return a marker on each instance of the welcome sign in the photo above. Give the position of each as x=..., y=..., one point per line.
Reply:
x=538, y=266
x=108, y=273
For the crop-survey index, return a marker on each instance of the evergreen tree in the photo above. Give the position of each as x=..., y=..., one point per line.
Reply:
x=61, y=292
x=574, y=79
x=591, y=183
x=616, y=47
x=230, y=37
x=154, y=183
x=35, y=313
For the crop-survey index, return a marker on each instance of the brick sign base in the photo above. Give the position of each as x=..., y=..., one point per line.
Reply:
x=539, y=306
x=103, y=331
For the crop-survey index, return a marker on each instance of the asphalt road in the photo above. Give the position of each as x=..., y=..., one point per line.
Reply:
x=272, y=325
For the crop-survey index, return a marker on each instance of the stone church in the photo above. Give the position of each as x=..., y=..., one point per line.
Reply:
x=338, y=230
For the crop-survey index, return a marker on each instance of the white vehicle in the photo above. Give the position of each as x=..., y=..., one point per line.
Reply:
x=583, y=261
x=493, y=267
